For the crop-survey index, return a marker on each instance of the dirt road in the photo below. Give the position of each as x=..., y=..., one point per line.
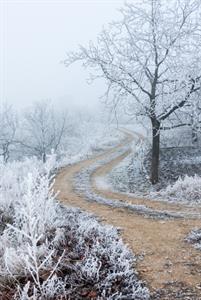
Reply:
x=167, y=259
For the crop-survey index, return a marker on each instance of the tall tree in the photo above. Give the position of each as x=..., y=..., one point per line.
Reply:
x=143, y=58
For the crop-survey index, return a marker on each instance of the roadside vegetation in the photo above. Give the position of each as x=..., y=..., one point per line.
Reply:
x=50, y=251
x=150, y=61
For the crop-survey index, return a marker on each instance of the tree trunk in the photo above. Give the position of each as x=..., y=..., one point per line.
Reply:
x=5, y=154
x=194, y=135
x=155, y=151
x=44, y=157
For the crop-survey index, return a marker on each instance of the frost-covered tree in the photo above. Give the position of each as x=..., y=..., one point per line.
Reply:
x=145, y=59
x=44, y=130
x=8, y=130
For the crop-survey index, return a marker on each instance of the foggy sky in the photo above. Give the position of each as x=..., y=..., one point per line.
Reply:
x=35, y=35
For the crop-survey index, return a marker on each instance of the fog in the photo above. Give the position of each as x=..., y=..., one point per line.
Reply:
x=35, y=36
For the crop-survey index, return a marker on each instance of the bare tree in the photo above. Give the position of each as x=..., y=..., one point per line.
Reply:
x=143, y=58
x=44, y=130
x=8, y=129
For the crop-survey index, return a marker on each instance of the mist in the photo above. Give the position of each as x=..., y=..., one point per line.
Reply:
x=35, y=36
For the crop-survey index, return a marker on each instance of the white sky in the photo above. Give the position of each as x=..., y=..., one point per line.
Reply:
x=34, y=37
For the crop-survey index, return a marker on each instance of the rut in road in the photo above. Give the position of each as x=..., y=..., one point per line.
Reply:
x=167, y=258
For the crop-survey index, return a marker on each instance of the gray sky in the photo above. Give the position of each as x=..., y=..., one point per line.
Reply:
x=34, y=37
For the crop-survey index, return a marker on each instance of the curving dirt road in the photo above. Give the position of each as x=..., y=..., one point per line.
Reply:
x=167, y=259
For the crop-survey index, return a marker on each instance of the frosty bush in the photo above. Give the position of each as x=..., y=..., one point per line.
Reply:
x=140, y=150
x=128, y=172
x=195, y=238
x=48, y=251
x=119, y=176
x=186, y=190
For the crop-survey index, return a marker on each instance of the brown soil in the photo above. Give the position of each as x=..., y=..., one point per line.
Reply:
x=167, y=258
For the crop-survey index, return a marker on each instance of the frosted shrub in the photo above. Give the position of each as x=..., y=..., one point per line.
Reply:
x=23, y=247
x=126, y=174
x=88, y=261
x=12, y=178
x=140, y=150
x=186, y=190
x=12, y=175
x=51, y=252
x=119, y=176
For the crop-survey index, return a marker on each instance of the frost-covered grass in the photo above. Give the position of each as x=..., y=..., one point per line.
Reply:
x=194, y=238
x=186, y=190
x=131, y=175
x=48, y=251
x=128, y=178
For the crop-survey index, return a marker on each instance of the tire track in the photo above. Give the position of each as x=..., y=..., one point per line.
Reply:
x=167, y=258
